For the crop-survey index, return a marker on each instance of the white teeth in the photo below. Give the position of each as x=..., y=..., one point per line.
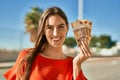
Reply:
x=56, y=38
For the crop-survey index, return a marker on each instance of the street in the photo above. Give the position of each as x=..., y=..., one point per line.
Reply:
x=102, y=68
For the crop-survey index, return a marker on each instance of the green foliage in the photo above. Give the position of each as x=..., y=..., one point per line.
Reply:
x=32, y=18
x=103, y=40
x=93, y=42
x=70, y=42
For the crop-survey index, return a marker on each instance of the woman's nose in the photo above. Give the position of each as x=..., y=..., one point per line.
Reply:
x=55, y=32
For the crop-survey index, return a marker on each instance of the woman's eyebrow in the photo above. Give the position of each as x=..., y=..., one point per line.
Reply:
x=61, y=24
x=49, y=25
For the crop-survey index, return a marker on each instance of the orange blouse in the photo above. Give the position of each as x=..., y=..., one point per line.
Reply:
x=46, y=69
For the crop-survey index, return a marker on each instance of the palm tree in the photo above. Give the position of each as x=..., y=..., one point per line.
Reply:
x=32, y=20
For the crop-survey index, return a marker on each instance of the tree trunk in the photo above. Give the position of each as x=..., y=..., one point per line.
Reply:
x=33, y=35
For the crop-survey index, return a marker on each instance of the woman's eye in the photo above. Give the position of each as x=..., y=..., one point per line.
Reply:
x=49, y=27
x=61, y=27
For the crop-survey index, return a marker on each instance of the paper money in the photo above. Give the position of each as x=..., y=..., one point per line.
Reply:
x=82, y=30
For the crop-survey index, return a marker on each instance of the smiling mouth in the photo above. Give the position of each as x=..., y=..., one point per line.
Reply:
x=56, y=39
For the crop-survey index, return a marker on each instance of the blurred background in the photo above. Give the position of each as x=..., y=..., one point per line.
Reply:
x=19, y=21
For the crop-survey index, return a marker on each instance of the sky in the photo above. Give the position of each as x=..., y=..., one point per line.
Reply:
x=105, y=15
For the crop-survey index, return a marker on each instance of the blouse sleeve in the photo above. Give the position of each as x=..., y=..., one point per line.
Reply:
x=11, y=73
x=81, y=76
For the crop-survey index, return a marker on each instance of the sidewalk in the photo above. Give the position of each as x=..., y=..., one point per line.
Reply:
x=94, y=59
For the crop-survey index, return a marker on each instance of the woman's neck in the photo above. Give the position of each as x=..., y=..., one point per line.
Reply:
x=53, y=52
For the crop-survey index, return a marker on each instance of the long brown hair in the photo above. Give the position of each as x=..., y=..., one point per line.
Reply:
x=26, y=62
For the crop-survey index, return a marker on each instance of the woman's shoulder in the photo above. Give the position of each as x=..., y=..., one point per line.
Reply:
x=27, y=49
x=25, y=52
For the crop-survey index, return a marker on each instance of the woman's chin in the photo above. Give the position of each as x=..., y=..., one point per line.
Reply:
x=56, y=45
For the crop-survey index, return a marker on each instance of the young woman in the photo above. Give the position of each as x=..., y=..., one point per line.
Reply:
x=46, y=61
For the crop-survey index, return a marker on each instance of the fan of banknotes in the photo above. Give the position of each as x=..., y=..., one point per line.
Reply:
x=82, y=30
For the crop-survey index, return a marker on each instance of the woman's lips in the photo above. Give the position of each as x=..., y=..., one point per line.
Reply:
x=56, y=39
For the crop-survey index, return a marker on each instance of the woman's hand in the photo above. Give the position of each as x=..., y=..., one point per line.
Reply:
x=81, y=57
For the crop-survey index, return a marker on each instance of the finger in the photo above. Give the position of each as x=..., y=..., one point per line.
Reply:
x=83, y=48
x=86, y=49
x=78, y=42
x=86, y=40
x=83, y=45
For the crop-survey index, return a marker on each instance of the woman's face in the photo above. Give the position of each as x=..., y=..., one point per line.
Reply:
x=55, y=30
